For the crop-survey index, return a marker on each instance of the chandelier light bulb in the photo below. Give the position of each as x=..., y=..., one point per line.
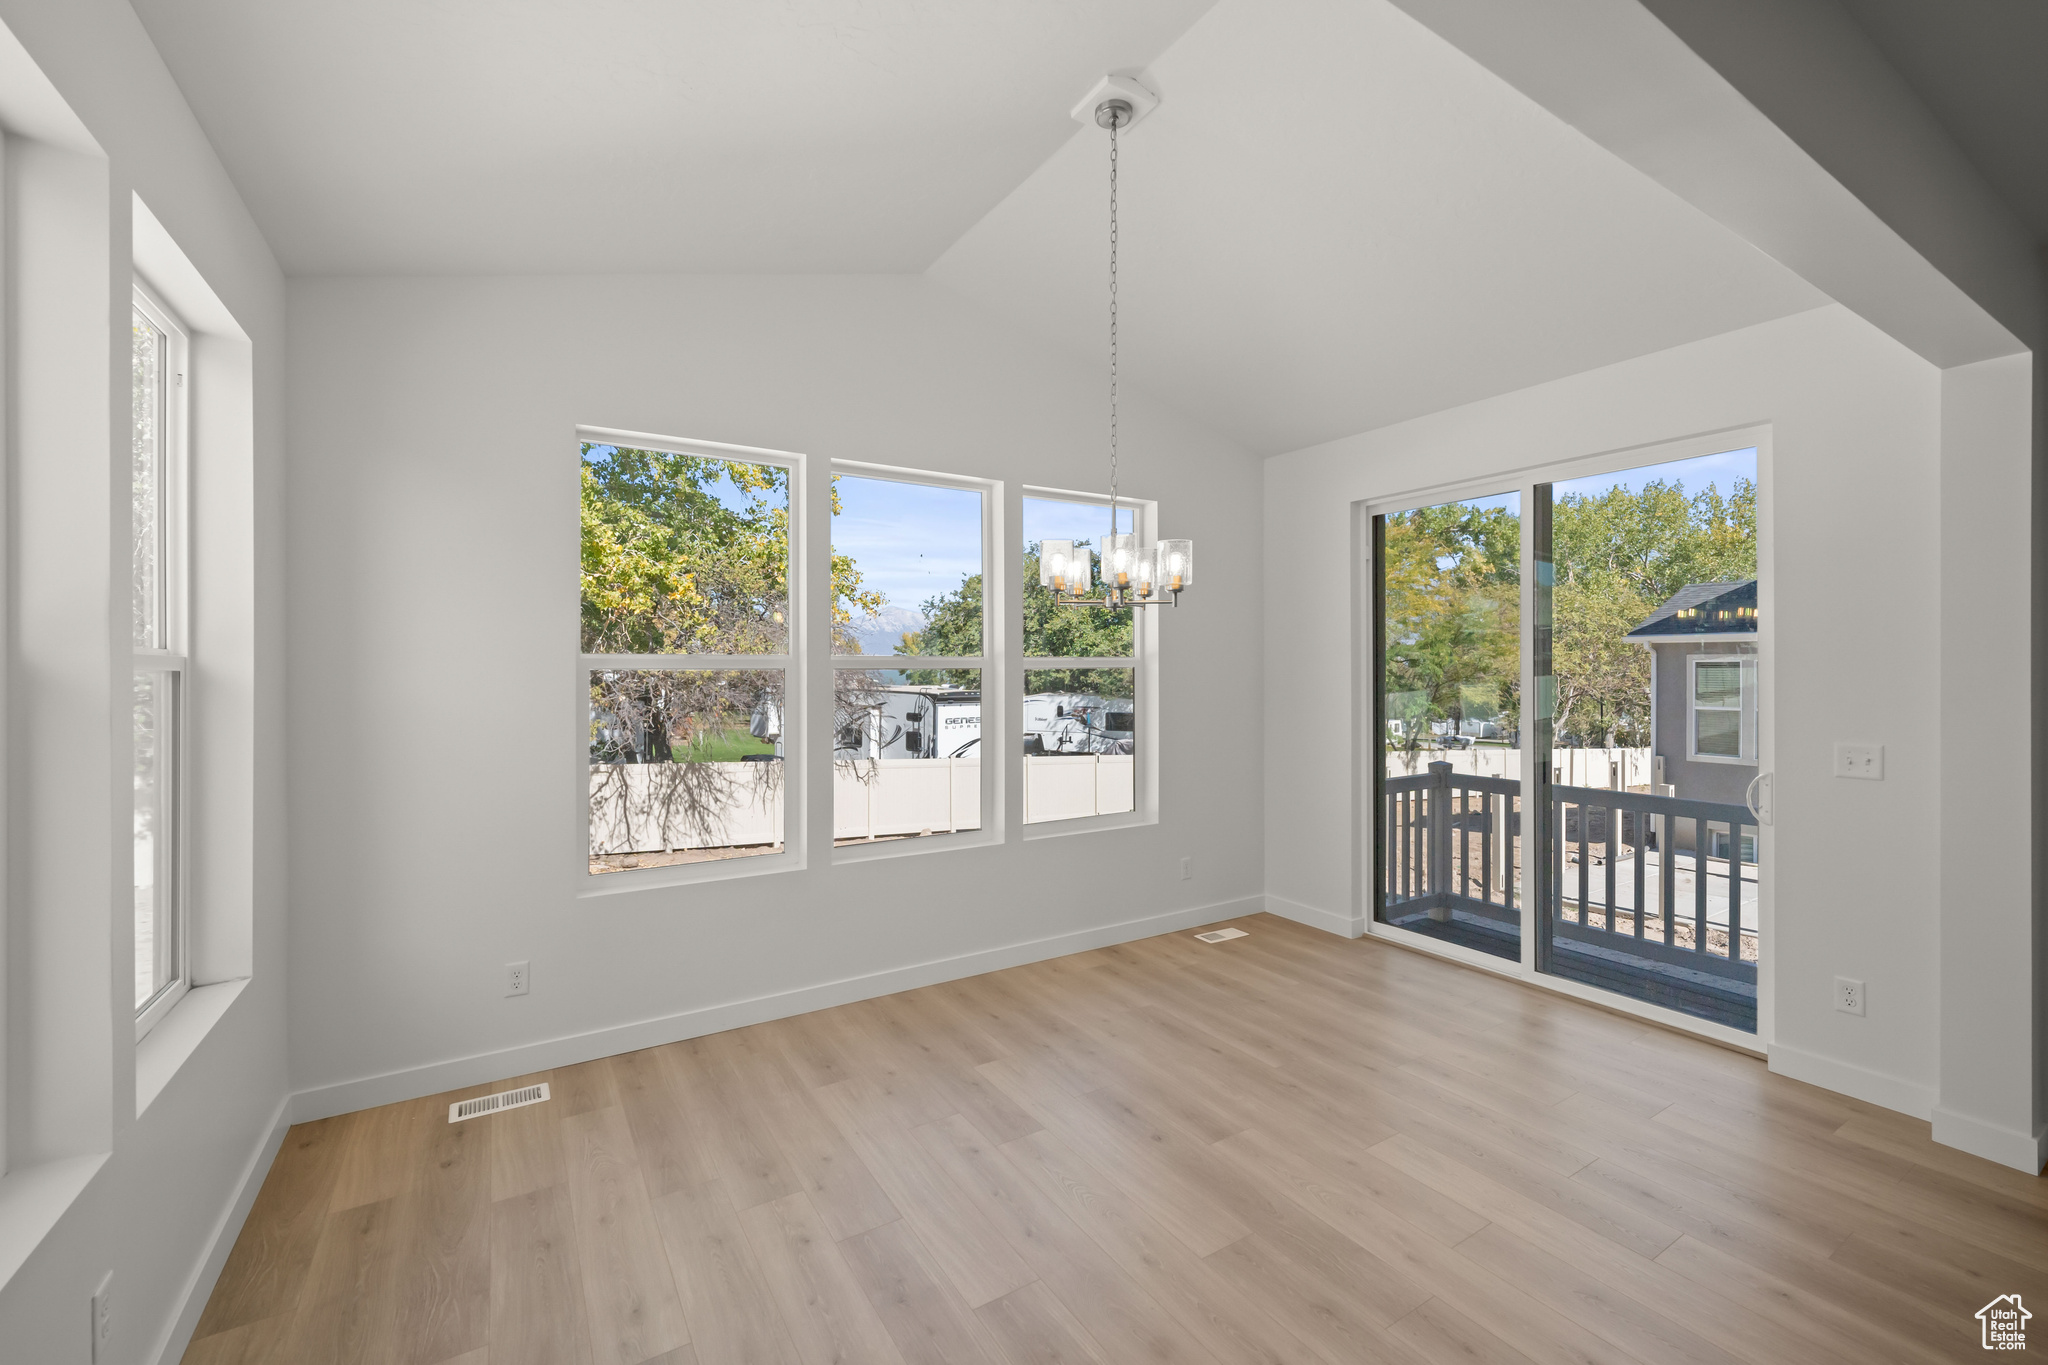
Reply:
x=1176, y=564
x=1055, y=565
x=1119, y=556
x=1145, y=572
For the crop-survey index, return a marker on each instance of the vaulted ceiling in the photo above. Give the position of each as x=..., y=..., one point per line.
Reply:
x=1334, y=220
x=575, y=136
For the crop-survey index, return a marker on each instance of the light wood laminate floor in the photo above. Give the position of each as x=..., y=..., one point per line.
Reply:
x=1286, y=1148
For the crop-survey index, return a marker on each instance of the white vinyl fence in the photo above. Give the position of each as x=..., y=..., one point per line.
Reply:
x=1068, y=786
x=657, y=807
x=874, y=797
x=1610, y=768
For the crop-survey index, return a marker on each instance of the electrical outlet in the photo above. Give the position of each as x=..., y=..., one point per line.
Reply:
x=1860, y=760
x=103, y=1319
x=1848, y=995
x=518, y=975
x=1187, y=869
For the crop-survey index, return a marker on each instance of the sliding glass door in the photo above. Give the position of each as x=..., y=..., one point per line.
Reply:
x=1601, y=801
x=1448, y=722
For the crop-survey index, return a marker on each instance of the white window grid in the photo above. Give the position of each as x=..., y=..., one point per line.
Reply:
x=788, y=664
x=1001, y=724
x=993, y=731
x=1138, y=661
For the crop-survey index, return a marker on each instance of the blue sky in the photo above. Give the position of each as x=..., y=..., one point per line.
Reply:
x=1720, y=470
x=914, y=542
x=1049, y=519
x=910, y=541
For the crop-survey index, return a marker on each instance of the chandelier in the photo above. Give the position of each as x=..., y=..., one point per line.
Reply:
x=1133, y=575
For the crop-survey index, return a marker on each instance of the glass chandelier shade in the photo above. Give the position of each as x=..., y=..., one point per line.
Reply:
x=1176, y=565
x=1119, y=557
x=1145, y=572
x=1056, y=567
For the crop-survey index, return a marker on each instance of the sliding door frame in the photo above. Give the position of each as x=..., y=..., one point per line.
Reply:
x=1530, y=481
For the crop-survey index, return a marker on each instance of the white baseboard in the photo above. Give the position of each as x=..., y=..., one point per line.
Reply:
x=1860, y=1083
x=1329, y=921
x=2006, y=1146
x=199, y=1288
x=481, y=1068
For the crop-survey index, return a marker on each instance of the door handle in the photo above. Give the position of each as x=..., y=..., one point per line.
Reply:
x=1757, y=796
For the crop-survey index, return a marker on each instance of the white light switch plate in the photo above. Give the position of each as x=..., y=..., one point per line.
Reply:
x=1860, y=760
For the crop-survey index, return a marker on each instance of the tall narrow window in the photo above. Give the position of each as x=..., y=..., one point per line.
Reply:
x=1653, y=878
x=686, y=646
x=1449, y=717
x=156, y=611
x=909, y=626
x=1080, y=716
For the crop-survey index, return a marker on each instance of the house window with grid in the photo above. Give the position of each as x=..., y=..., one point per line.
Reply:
x=910, y=644
x=1080, y=710
x=1721, y=719
x=687, y=630
x=158, y=639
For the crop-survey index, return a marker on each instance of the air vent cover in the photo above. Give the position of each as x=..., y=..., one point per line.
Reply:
x=1222, y=935
x=492, y=1104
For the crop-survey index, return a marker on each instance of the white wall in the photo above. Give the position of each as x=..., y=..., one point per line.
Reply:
x=1854, y=557
x=161, y=1183
x=1988, y=978
x=435, y=811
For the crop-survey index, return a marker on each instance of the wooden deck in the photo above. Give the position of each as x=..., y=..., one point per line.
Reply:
x=1285, y=1148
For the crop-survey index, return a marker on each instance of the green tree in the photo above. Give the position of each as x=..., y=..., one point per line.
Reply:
x=669, y=566
x=1453, y=610
x=953, y=624
x=1619, y=554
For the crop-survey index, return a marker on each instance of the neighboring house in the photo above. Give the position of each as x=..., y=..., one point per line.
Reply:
x=1703, y=689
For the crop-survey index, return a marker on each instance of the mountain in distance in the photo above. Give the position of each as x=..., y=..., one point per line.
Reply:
x=880, y=632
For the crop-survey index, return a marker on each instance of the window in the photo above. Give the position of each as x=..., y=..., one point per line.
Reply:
x=686, y=631
x=1449, y=621
x=909, y=625
x=1721, y=720
x=157, y=638
x=1080, y=713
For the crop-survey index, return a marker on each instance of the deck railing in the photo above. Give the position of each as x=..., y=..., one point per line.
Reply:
x=1603, y=829
x=1454, y=843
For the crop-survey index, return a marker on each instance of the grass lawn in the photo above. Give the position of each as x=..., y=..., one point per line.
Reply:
x=723, y=746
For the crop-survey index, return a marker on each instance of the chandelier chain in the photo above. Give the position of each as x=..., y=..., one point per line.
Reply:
x=1114, y=121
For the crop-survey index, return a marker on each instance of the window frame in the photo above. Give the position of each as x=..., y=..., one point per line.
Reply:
x=168, y=657
x=994, y=582
x=792, y=663
x=1745, y=708
x=1144, y=682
